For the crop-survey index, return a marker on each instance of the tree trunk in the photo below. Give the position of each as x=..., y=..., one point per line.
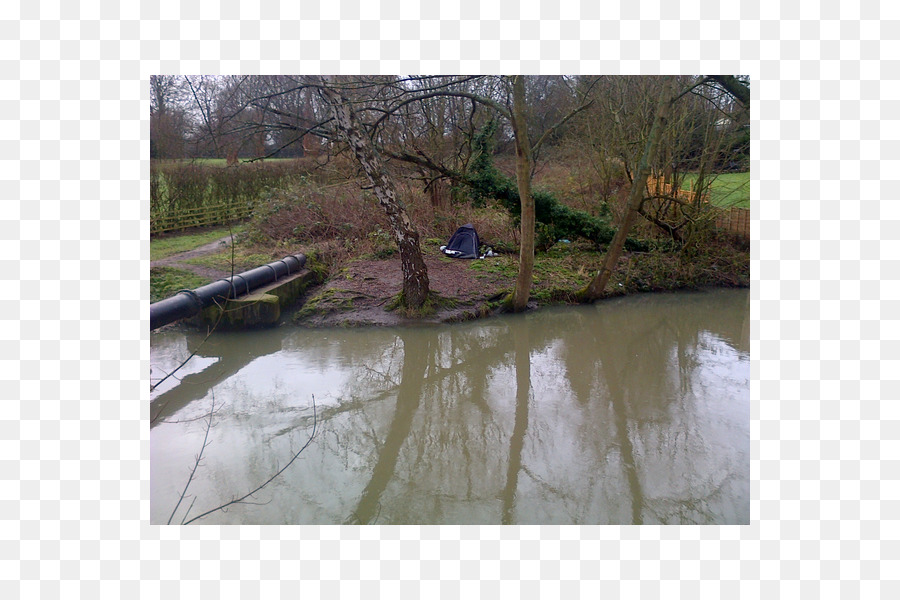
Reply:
x=415, y=273
x=523, y=179
x=594, y=290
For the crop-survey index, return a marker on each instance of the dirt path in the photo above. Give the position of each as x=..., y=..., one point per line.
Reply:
x=177, y=260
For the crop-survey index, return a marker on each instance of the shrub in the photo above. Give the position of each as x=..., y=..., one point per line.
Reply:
x=308, y=213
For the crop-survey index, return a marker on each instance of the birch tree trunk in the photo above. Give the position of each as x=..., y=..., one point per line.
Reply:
x=519, y=298
x=415, y=273
x=595, y=289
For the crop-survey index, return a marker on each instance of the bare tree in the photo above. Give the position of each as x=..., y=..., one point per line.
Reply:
x=524, y=164
x=668, y=96
x=639, y=185
x=524, y=279
x=415, y=273
x=168, y=121
x=430, y=124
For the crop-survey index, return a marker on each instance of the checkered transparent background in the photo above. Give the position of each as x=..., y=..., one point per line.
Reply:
x=74, y=108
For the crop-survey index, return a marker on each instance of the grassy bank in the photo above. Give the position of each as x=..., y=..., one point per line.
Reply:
x=565, y=269
x=167, y=245
x=558, y=273
x=167, y=281
x=365, y=291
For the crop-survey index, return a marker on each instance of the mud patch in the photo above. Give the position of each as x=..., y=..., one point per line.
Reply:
x=362, y=293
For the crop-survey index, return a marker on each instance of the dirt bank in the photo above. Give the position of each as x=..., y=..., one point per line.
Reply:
x=363, y=291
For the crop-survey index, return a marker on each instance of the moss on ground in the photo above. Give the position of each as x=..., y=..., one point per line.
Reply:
x=328, y=300
x=432, y=304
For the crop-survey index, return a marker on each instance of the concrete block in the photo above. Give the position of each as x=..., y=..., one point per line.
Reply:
x=261, y=308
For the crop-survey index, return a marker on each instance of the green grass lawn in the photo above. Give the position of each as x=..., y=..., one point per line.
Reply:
x=166, y=281
x=728, y=189
x=163, y=246
x=244, y=259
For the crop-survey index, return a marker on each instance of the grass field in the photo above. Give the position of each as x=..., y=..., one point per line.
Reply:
x=728, y=190
x=217, y=162
x=163, y=246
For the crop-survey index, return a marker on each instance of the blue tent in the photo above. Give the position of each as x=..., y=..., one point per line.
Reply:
x=463, y=244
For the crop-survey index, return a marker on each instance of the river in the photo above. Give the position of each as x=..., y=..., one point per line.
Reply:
x=630, y=411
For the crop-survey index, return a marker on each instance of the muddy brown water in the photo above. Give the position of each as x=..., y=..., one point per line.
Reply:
x=634, y=410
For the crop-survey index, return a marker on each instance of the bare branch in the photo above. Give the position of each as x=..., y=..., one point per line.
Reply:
x=212, y=410
x=185, y=361
x=735, y=88
x=540, y=141
x=690, y=89
x=455, y=94
x=242, y=499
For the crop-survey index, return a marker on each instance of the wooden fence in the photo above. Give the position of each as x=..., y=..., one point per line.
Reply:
x=660, y=187
x=216, y=214
x=735, y=220
x=188, y=194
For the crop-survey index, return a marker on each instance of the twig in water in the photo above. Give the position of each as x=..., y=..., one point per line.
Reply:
x=212, y=410
x=197, y=349
x=242, y=499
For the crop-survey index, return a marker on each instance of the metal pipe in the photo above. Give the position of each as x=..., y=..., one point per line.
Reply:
x=187, y=303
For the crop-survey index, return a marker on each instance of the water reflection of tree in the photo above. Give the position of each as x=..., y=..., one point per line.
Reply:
x=443, y=377
x=517, y=439
x=620, y=370
x=591, y=415
x=632, y=374
x=652, y=447
x=672, y=466
x=415, y=360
